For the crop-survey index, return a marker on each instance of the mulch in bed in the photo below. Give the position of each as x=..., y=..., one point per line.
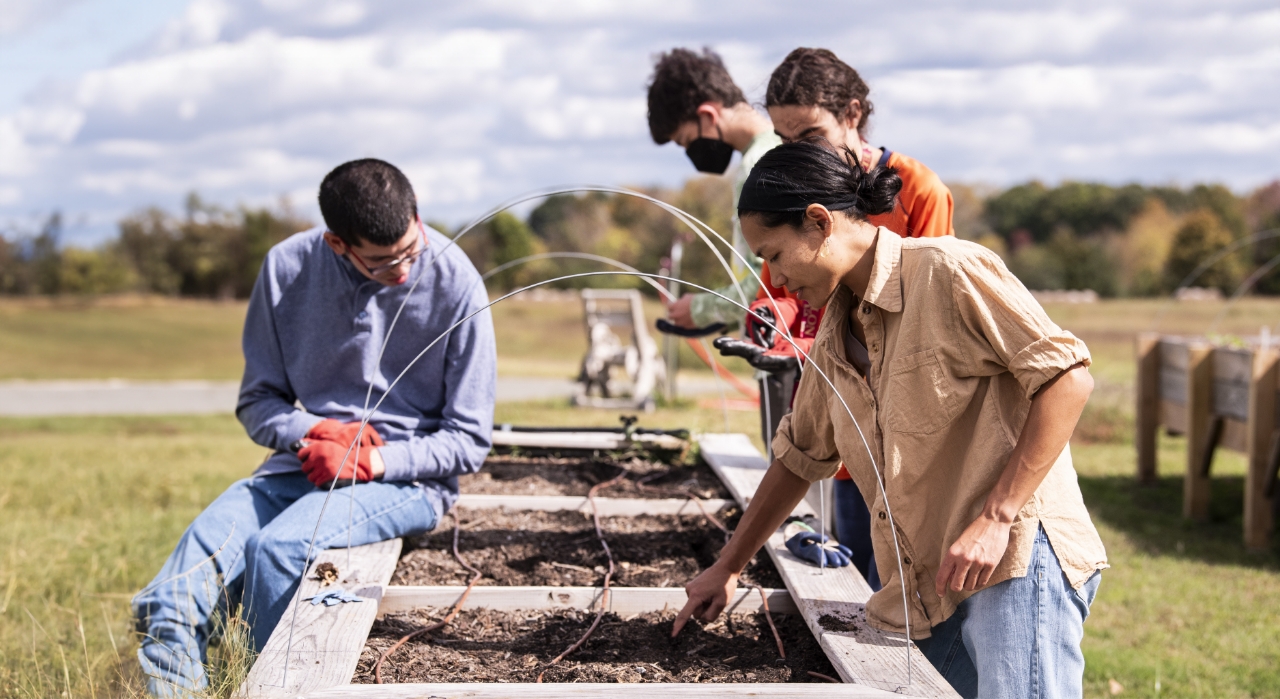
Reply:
x=561, y=549
x=513, y=475
x=490, y=646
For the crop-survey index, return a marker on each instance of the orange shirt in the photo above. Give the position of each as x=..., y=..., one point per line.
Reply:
x=923, y=211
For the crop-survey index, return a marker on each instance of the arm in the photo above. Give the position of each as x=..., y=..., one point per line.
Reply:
x=970, y=561
x=931, y=210
x=463, y=438
x=266, y=404
x=779, y=492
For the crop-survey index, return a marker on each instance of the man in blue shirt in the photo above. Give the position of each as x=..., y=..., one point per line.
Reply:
x=313, y=346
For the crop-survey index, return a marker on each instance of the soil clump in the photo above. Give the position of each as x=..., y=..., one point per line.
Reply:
x=483, y=645
x=561, y=549
x=548, y=475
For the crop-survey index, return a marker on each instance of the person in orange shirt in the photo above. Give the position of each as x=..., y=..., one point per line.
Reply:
x=814, y=96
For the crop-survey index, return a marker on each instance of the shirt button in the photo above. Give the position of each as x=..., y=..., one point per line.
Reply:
x=866, y=309
x=906, y=559
x=881, y=515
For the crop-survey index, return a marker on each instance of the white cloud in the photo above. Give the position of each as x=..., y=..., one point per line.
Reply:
x=243, y=100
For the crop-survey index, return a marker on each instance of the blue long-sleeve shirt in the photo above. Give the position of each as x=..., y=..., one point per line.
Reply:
x=312, y=337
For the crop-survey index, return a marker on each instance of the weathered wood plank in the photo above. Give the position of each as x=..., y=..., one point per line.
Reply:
x=1196, y=487
x=1235, y=435
x=1148, y=413
x=590, y=441
x=622, y=600
x=327, y=641
x=1258, y=507
x=1232, y=374
x=1174, y=417
x=865, y=656
x=609, y=507
x=627, y=691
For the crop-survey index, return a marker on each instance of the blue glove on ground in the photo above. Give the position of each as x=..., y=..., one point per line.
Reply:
x=808, y=546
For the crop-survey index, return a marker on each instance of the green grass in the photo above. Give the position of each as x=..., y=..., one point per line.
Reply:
x=89, y=509
x=149, y=338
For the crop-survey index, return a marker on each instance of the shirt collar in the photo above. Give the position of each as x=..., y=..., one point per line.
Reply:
x=884, y=288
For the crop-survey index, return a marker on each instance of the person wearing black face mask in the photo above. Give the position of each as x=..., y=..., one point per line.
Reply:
x=694, y=103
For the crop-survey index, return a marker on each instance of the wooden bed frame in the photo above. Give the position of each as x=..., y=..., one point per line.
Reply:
x=327, y=641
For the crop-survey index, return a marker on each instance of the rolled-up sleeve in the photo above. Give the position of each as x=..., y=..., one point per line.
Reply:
x=1011, y=330
x=805, y=442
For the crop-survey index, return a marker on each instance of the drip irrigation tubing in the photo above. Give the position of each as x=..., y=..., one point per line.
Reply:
x=457, y=606
x=642, y=486
x=604, y=597
x=768, y=616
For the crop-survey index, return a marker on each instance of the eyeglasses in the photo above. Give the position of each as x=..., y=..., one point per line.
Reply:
x=409, y=258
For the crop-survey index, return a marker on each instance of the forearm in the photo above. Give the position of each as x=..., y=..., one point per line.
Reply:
x=1055, y=410
x=779, y=493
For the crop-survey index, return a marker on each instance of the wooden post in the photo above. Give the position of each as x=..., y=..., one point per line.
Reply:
x=1148, y=405
x=1262, y=422
x=1196, y=486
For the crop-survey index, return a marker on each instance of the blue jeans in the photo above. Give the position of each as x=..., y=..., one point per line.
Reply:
x=249, y=546
x=853, y=529
x=1020, y=638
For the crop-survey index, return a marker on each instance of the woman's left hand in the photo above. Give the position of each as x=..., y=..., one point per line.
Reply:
x=974, y=556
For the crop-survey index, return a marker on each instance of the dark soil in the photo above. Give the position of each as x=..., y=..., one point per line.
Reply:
x=513, y=475
x=561, y=549
x=487, y=646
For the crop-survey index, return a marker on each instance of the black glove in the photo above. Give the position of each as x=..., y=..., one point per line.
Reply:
x=667, y=327
x=755, y=355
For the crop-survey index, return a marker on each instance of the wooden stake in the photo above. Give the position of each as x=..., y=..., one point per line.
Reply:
x=1148, y=405
x=1196, y=486
x=1259, y=439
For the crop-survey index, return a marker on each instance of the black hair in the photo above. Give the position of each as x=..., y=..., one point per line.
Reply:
x=816, y=77
x=682, y=81
x=794, y=175
x=369, y=200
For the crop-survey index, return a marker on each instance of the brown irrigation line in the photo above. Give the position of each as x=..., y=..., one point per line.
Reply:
x=764, y=601
x=475, y=577
x=604, y=598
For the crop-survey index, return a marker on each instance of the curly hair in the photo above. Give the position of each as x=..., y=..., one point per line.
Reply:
x=815, y=77
x=682, y=80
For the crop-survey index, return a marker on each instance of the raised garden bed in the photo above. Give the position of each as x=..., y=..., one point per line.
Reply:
x=526, y=610
x=484, y=645
x=561, y=549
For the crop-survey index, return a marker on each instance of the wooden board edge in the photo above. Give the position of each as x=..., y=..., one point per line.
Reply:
x=488, y=690
x=608, y=507
x=623, y=600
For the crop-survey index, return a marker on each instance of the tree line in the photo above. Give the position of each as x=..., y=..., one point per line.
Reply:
x=1129, y=240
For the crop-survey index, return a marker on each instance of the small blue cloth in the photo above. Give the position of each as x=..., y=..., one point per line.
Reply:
x=334, y=596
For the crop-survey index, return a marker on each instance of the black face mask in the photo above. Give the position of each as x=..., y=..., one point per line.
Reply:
x=711, y=155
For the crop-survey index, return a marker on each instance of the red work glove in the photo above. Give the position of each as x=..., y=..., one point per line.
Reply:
x=323, y=463
x=344, y=433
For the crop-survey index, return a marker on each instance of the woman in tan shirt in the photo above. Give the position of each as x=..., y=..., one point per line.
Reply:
x=953, y=393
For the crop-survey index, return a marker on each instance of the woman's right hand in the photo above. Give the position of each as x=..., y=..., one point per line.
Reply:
x=709, y=594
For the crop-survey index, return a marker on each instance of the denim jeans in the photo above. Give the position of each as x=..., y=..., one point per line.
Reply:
x=249, y=546
x=853, y=529
x=1020, y=638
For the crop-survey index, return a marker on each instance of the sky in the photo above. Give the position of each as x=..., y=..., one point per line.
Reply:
x=108, y=106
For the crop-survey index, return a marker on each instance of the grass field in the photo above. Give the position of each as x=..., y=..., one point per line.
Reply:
x=90, y=507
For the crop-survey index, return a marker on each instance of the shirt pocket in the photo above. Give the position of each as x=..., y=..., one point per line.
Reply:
x=922, y=398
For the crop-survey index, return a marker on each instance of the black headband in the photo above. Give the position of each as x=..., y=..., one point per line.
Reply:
x=765, y=191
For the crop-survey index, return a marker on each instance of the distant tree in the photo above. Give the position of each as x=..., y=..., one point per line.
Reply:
x=1200, y=237
x=511, y=239
x=92, y=272
x=1066, y=261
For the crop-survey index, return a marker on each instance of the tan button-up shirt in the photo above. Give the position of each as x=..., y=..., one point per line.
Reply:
x=958, y=347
